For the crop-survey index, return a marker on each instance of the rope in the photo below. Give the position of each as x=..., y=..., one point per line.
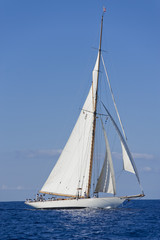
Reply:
x=113, y=98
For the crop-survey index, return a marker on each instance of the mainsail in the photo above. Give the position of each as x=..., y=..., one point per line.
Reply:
x=70, y=176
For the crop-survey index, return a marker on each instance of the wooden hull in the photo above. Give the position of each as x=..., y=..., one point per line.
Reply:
x=108, y=202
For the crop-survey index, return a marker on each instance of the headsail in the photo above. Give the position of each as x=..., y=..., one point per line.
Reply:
x=127, y=156
x=127, y=165
x=72, y=168
x=106, y=181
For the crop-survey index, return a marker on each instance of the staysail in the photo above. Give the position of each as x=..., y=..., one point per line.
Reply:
x=70, y=175
x=106, y=181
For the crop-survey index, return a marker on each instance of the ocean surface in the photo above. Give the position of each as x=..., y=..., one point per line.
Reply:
x=138, y=219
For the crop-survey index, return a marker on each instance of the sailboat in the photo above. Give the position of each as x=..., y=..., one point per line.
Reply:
x=70, y=181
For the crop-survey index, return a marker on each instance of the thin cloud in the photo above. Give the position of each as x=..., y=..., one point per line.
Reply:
x=5, y=187
x=43, y=153
x=143, y=156
x=117, y=155
x=147, y=169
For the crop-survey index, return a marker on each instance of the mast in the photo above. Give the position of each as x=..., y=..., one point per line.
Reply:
x=94, y=119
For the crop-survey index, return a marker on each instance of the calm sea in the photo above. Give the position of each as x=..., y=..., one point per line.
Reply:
x=137, y=220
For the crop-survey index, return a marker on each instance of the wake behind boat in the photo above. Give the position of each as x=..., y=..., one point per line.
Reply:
x=72, y=177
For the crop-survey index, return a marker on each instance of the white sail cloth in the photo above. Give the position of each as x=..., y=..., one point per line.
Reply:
x=128, y=161
x=106, y=182
x=70, y=176
x=127, y=165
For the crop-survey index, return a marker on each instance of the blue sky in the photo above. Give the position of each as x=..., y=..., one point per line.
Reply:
x=46, y=58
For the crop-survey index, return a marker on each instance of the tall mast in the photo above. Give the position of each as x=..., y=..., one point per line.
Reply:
x=95, y=112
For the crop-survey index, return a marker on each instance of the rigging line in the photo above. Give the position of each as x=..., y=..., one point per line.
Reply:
x=120, y=173
x=113, y=98
x=101, y=49
x=101, y=114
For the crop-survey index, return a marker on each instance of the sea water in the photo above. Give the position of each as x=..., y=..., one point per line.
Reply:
x=138, y=219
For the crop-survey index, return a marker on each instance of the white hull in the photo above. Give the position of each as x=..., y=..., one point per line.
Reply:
x=108, y=202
